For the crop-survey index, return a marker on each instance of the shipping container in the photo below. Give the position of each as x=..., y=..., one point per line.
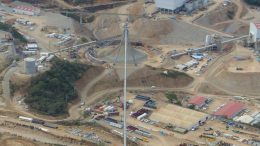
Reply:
x=113, y=114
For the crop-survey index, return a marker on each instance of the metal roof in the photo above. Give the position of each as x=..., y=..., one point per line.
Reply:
x=199, y=100
x=27, y=8
x=230, y=109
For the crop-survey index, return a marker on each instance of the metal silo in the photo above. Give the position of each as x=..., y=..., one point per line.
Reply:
x=208, y=40
x=29, y=65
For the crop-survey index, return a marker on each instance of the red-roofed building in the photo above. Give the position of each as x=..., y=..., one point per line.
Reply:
x=230, y=110
x=198, y=101
x=26, y=10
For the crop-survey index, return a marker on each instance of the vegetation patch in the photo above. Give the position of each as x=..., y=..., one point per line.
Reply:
x=51, y=91
x=172, y=98
x=253, y=2
x=13, y=31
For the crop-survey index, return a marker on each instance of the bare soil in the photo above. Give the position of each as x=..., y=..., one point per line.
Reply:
x=209, y=89
x=15, y=141
x=88, y=76
x=221, y=14
x=144, y=77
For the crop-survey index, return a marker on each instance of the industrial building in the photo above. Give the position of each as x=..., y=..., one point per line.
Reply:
x=198, y=101
x=170, y=6
x=249, y=119
x=26, y=10
x=192, y=5
x=32, y=47
x=230, y=110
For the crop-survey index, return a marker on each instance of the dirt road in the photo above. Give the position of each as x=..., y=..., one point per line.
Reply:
x=6, y=84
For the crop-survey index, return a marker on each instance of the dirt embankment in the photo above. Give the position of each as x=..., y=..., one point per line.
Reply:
x=209, y=89
x=151, y=30
x=144, y=77
x=219, y=15
x=88, y=76
x=242, y=83
x=14, y=141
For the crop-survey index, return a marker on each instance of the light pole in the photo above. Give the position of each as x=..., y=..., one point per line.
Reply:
x=125, y=72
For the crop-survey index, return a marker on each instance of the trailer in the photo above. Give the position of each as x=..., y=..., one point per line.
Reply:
x=142, y=116
x=117, y=133
x=30, y=52
x=143, y=133
x=117, y=125
x=27, y=119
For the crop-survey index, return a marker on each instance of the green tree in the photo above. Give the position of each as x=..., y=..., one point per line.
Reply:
x=171, y=96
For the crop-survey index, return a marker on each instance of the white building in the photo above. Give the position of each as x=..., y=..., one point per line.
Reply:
x=169, y=4
x=26, y=10
x=32, y=47
x=254, y=31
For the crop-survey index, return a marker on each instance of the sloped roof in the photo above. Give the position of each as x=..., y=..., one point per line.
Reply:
x=230, y=109
x=199, y=100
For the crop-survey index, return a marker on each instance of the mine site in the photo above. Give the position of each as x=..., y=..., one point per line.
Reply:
x=130, y=72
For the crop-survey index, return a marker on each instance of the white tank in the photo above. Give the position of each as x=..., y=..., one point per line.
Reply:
x=208, y=40
x=29, y=65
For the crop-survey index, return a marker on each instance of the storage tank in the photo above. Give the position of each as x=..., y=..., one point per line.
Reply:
x=208, y=40
x=29, y=65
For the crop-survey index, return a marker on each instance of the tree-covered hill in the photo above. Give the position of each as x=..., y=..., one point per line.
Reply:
x=51, y=91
